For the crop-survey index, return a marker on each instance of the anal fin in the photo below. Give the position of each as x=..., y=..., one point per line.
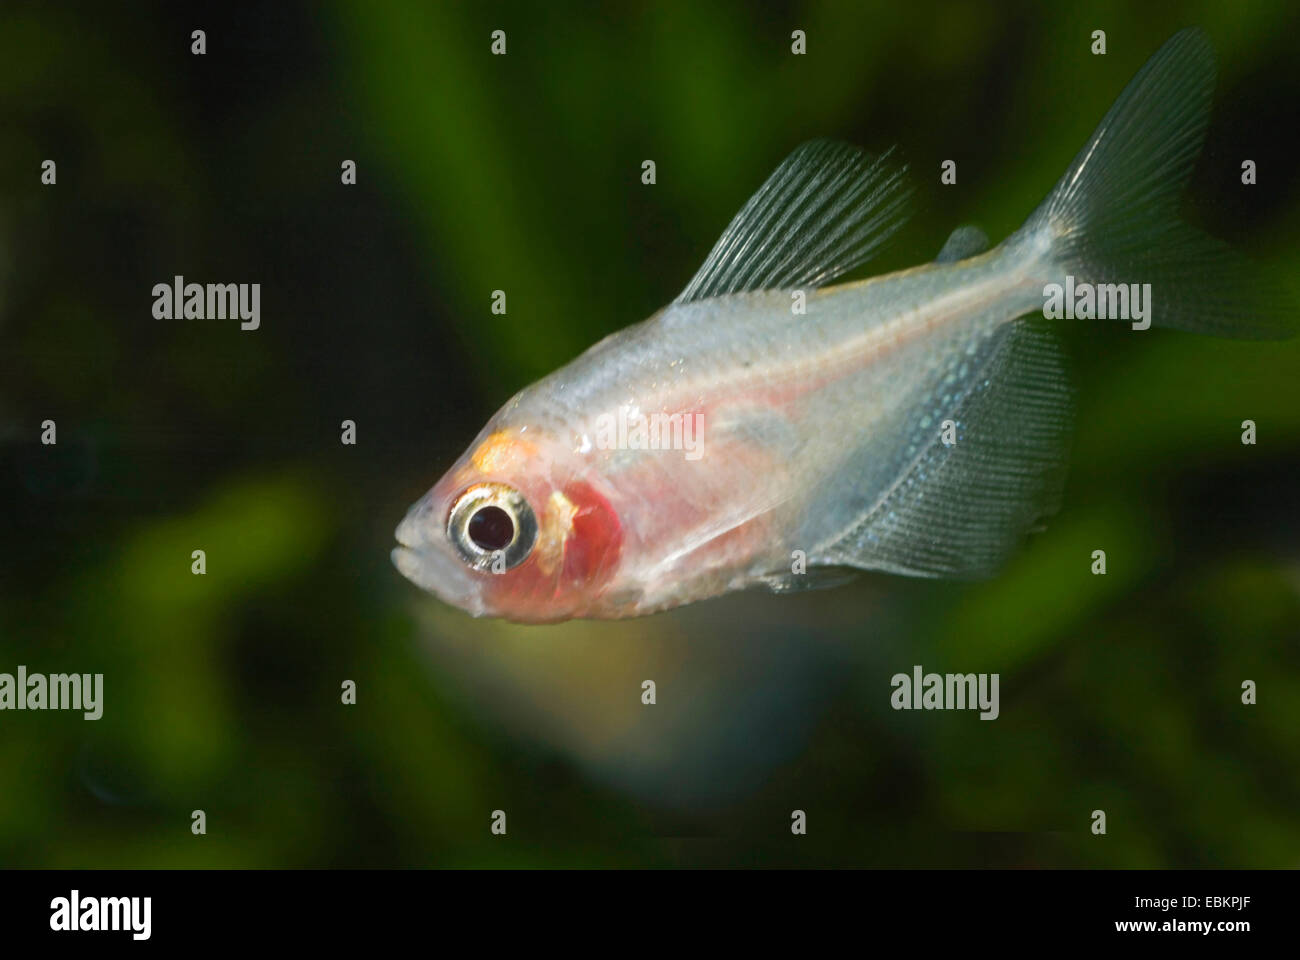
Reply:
x=959, y=510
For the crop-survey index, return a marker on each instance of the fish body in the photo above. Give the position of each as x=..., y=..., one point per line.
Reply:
x=768, y=428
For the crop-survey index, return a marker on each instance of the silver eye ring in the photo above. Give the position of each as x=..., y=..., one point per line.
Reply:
x=492, y=527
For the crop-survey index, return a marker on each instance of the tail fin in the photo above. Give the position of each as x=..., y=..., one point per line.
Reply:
x=1113, y=216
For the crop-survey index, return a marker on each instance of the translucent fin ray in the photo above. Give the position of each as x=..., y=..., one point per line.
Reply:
x=814, y=578
x=964, y=242
x=958, y=511
x=1113, y=217
x=826, y=209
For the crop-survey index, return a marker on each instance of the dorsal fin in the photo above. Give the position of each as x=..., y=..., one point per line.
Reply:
x=826, y=209
x=965, y=241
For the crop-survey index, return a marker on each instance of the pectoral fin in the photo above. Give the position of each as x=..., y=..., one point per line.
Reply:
x=816, y=578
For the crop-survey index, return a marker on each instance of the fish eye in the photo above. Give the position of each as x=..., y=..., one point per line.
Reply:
x=491, y=528
x=490, y=521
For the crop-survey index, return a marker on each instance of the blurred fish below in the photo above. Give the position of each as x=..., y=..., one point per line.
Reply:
x=676, y=709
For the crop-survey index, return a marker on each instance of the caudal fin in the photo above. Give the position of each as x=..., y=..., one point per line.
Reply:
x=1113, y=217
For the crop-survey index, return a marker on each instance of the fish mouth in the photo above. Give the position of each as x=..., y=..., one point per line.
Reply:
x=407, y=560
x=431, y=568
x=406, y=555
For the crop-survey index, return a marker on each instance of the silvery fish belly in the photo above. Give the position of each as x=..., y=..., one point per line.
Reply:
x=768, y=428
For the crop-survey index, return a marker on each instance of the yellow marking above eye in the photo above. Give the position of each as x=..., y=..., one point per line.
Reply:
x=499, y=449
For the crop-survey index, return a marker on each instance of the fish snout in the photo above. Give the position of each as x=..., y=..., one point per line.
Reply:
x=420, y=526
x=425, y=557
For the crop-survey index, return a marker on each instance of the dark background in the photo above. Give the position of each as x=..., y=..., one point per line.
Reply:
x=522, y=173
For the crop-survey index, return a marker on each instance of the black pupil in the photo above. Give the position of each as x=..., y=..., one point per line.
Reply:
x=491, y=528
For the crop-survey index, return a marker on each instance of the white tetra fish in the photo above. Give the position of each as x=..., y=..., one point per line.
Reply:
x=765, y=428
